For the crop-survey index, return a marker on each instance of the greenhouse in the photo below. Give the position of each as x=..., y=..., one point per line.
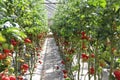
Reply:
x=59, y=39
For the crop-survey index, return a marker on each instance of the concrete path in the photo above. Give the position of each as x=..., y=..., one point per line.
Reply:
x=50, y=61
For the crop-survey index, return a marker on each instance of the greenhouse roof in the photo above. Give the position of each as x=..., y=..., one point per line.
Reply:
x=51, y=7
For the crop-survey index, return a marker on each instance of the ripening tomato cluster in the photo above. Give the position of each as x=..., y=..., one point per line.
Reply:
x=85, y=57
x=6, y=76
x=27, y=40
x=6, y=59
x=10, y=55
x=84, y=36
x=20, y=37
x=117, y=74
x=87, y=54
x=65, y=73
x=84, y=39
x=24, y=68
x=91, y=70
x=14, y=54
x=13, y=42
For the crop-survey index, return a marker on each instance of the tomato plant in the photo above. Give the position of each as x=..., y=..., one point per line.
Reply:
x=20, y=24
x=89, y=27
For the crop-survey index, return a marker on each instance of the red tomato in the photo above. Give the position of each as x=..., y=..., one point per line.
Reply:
x=117, y=74
x=62, y=62
x=66, y=43
x=92, y=70
x=40, y=62
x=92, y=55
x=65, y=71
x=20, y=78
x=4, y=56
x=65, y=76
x=6, y=51
x=27, y=40
x=24, y=66
x=37, y=48
x=14, y=43
x=2, y=74
x=1, y=56
x=83, y=33
x=71, y=51
x=38, y=54
x=84, y=57
x=5, y=78
x=57, y=67
x=12, y=77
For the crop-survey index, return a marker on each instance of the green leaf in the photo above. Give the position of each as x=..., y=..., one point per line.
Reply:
x=2, y=39
x=103, y=3
x=117, y=7
x=75, y=68
x=14, y=32
x=118, y=60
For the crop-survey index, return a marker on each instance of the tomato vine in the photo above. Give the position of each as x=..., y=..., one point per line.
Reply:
x=99, y=20
x=23, y=27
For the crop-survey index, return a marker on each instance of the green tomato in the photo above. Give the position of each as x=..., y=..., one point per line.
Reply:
x=67, y=79
x=116, y=54
x=5, y=46
x=11, y=47
x=100, y=69
x=7, y=61
x=11, y=69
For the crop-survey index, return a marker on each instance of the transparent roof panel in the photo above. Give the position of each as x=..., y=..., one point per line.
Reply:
x=53, y=1
x=50, y=7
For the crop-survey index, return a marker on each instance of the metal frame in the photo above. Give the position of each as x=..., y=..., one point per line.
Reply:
x=51, y=7
x=49, y=2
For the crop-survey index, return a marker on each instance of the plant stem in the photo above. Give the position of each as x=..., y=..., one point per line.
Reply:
x=111, y=54
x=88, y=69
x=79, y=66
x=16, y=62
x=96, y=60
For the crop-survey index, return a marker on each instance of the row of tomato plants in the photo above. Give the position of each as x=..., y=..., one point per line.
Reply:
x=87, y=31
x=22, y=33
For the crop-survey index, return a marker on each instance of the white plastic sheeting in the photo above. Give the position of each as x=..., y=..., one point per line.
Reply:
x=50, y=7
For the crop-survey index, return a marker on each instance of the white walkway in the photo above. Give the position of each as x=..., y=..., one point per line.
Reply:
x=50, y=60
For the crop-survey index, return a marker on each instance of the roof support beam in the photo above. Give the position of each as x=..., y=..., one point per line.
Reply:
x=49, y=2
